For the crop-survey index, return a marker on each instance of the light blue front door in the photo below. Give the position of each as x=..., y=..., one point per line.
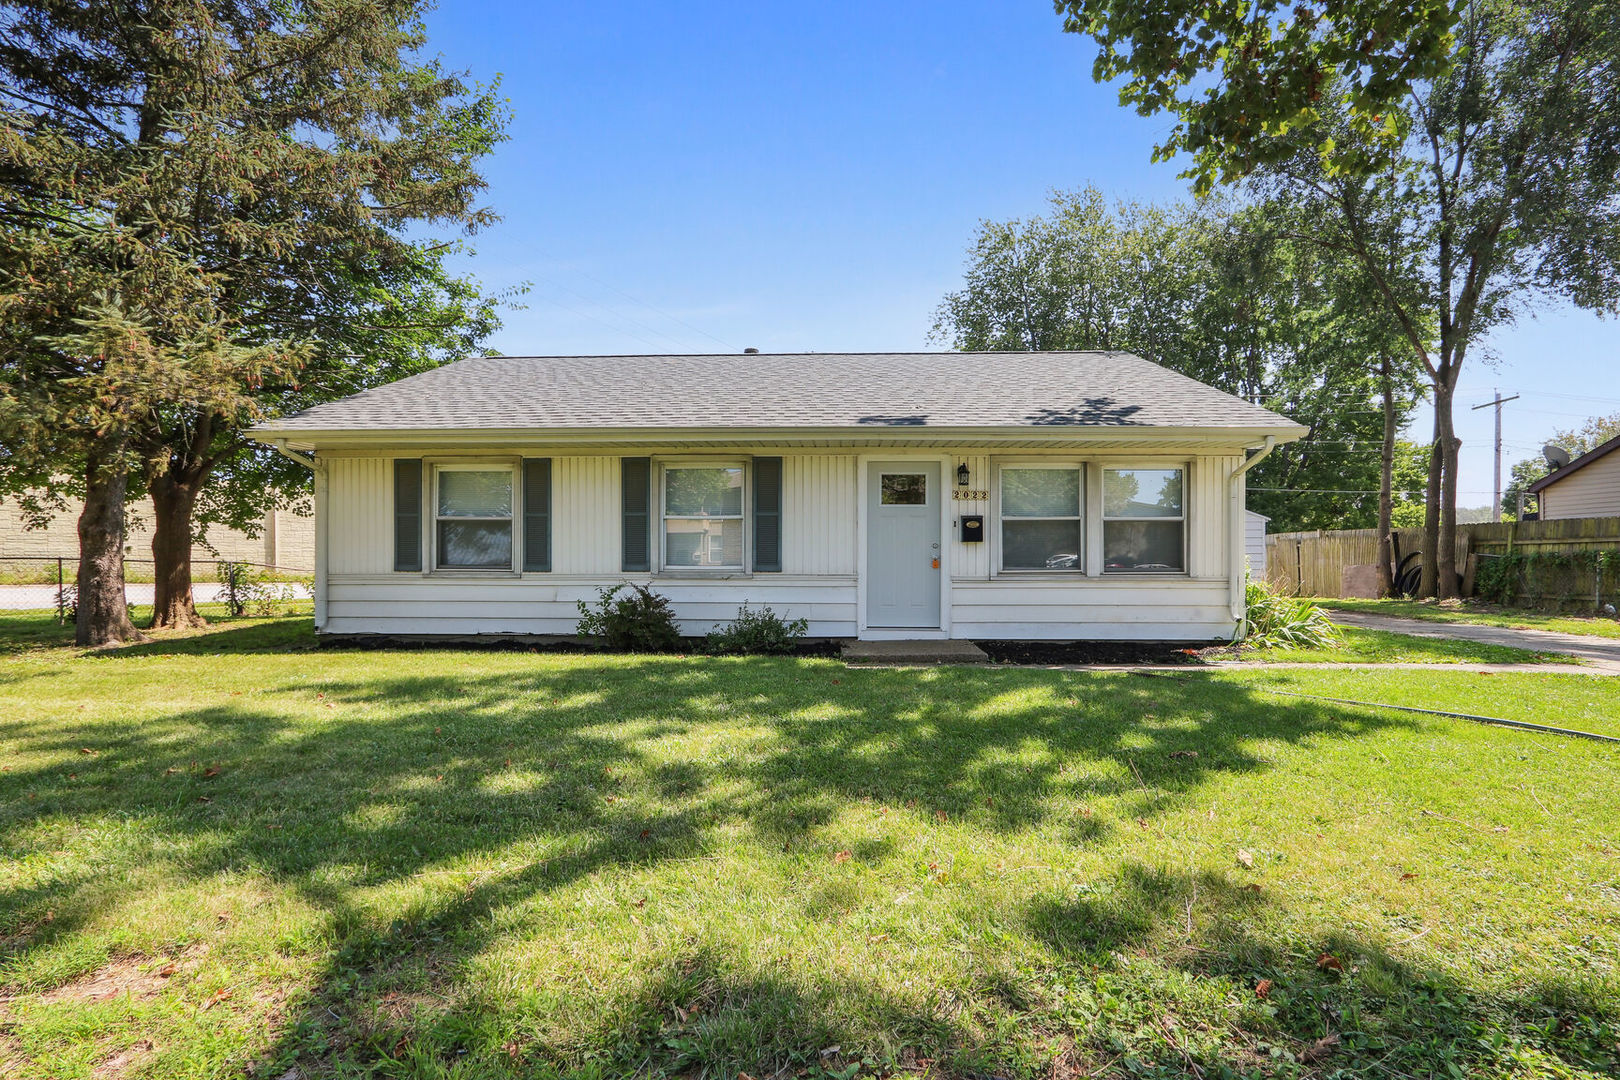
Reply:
x=902, y=545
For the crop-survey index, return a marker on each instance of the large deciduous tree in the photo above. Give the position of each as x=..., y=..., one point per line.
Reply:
x=1504, y=190
x=1238, y=74
x=228, y=182
x=1216, y=293
x=1491, y=179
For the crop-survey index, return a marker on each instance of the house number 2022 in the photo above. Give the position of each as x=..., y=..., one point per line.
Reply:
x=969, y=495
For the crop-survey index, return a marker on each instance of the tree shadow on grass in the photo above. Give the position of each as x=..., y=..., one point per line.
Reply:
x=558, y=771
x=1344, y=1001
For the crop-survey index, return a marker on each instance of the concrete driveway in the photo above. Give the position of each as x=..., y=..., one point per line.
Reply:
x=1601, y=653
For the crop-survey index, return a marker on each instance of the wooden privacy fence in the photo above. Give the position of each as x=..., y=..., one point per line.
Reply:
x=1313, y=563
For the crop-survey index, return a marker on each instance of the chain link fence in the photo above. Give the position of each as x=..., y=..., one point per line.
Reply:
x=38, y=586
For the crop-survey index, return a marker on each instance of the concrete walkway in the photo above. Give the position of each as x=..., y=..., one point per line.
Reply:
x=1600, y=653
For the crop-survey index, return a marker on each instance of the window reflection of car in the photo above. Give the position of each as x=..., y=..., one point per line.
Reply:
x=1063, y=562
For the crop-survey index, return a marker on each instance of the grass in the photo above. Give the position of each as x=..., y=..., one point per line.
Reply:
x=1380, y=647
x=1480, y=615
x=233, y=853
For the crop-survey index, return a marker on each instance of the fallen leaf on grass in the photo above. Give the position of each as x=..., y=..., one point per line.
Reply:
x=1408, y=876
x=1252, y=888
x=1246, y=859
x=841, y=856
x=1329, y=962
x=1183, y=753
x=1319, y=1049
x=1262, y=989
x=211, y=772
x=86, y=750
x=940, y=815
x=219, y=996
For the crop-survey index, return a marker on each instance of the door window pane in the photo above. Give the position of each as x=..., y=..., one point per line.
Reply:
x=1142, y=493
x=1040, y=493
x=703, y=492
x=1040, y=545
x=1145, y=546
x=905, y=489
x=475, y=545
x=484, y=493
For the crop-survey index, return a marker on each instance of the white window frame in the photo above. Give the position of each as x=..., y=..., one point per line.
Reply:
x=1071, y=465
x=1185, y=468
x=501, y=465
x=663, y=468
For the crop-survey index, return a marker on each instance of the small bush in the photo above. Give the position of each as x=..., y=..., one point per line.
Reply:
x=1282, y=622
x=249, y=590
x=758, y=632
x=630, y=618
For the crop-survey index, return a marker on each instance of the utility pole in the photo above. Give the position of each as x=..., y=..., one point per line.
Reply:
x=1496, y=493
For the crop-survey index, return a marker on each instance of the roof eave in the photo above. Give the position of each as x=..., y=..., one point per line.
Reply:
x=355, y=438
x=1601, y=450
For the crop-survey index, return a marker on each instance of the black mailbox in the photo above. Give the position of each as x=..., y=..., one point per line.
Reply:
x=972, y=528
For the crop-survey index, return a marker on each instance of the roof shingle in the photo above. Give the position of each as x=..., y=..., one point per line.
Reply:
x=792, y=390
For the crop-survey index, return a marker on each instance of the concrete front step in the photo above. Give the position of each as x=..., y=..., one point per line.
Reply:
x=914, y=652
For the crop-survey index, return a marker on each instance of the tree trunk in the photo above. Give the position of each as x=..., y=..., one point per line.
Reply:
x=1446, y=567
x=173, y=501
x=103, y=615
x=1386, y=485
x=1431, y=517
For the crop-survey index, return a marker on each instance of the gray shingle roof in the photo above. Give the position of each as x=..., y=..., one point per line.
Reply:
x=810, y=390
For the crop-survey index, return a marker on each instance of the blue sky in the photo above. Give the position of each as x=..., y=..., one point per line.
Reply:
x=709, y=176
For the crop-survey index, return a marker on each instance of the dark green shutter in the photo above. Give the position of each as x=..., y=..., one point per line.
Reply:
x=636, y=482
x=537, y=514
x=768, y=514
x=408, y=514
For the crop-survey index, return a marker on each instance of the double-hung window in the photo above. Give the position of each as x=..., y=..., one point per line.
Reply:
x=472, y=517
x=703, y=516
x=1144, y=521
x=1040, y=517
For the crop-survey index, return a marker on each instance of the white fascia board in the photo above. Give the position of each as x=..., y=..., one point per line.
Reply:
x=1089, y=435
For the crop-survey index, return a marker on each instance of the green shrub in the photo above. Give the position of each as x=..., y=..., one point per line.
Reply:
x=630, y=618
x=1282, y=622
x=758, y=632
x=248, y=590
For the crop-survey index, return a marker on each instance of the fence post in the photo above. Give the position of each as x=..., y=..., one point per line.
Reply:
x=61, y=595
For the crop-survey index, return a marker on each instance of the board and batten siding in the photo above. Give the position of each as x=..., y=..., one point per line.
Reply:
x=820, y=560
x=1590, y=491
x=819, y=504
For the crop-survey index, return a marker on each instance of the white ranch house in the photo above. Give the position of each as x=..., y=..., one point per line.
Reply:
x=1057, y=495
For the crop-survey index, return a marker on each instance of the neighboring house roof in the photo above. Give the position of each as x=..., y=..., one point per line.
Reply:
x=789, y=390
x=1577, y=465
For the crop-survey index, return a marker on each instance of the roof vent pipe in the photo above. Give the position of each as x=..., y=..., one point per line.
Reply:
x=750, y=351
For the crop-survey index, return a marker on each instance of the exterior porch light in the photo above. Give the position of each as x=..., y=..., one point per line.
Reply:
x=962, y=475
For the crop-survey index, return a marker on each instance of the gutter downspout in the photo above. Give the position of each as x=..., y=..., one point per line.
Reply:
x=1237, y=531
x=319, y=469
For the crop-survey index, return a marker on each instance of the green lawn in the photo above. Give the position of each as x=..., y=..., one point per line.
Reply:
x=1480, y=614
x=233, y=854
x=1380, y=647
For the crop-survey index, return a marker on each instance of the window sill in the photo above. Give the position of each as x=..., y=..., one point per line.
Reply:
x=703, y=575
x=1040, y=575
x=458, y=572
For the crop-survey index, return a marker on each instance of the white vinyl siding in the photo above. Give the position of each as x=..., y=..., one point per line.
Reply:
x=819, y=495
x=820, y=509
